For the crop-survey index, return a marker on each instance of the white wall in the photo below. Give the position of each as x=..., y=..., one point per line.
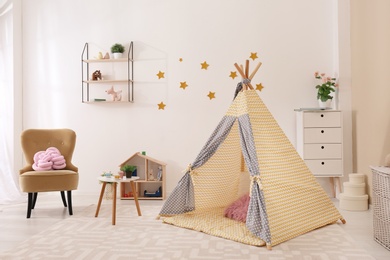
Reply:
x=370, y=48
x=292, y=38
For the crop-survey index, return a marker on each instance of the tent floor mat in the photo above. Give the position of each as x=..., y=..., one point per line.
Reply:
x=213, y=222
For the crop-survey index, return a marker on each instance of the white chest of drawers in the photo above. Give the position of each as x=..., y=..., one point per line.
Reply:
x=320, y=141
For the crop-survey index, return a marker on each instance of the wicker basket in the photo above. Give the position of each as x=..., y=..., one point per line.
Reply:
x=381, y=205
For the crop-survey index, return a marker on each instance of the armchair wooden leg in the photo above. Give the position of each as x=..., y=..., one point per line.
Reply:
x=63, y=198
x=69, y=193
x=29, y=204
x=35, y=196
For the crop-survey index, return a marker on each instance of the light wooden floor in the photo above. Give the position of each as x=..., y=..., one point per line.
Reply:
x=15, y=228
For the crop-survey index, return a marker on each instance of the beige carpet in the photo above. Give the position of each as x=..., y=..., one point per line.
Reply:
x=83, y=236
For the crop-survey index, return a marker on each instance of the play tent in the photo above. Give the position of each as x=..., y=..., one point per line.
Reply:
x=249, y=152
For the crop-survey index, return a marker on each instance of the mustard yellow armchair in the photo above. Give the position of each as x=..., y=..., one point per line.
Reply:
x=35, y=181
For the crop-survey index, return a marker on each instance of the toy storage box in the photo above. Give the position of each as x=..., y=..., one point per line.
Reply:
x=354, y=203
x=354, y=197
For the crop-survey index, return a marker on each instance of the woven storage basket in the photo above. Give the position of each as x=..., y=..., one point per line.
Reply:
x=381, y=205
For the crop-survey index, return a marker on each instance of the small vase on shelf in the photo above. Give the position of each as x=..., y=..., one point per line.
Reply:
x=117, y=49
x=324, y=104
x=325, y=90
x=117, y=55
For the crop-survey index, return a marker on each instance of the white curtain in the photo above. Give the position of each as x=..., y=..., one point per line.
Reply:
x=9, y=189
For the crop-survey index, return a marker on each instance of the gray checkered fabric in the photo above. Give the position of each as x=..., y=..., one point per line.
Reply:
x=257, y=219
x=248, y=146
x=182, y=198
x=217, y=137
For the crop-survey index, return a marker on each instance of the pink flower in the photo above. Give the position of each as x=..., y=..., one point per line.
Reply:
x=316, y=74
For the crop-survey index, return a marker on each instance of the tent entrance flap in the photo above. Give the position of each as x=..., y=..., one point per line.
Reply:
x=175, y=204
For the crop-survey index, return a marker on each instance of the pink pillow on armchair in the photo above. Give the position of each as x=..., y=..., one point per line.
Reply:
x=48, y=160
x=238, y=209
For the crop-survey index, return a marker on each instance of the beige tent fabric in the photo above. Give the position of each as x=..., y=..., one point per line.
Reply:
x=219, y=177
x=211, y=221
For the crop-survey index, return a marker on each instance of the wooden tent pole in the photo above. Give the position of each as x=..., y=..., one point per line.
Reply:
x=255, y=71
x=247, y=69
x=242, y=69
x=244, y=87
x=242, y=163
x=242, y=75
x=239, y=70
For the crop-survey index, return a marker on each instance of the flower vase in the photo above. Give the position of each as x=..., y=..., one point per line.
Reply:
x=117, y=55
x=324, y=104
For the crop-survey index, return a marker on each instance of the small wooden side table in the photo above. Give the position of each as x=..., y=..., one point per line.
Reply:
x=114, y=184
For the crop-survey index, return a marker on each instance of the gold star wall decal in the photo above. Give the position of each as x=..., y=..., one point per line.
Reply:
x=233, y=74
x=253, y=55
x=211, y=95
x=204, y=65
x=183, y=85
x=181, y=59
x=160, y=74
x=161, y=106
x=259, y=87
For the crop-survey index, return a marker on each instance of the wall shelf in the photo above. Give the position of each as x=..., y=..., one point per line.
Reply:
x=125, y=82
x=107, y=60
x=106, y=81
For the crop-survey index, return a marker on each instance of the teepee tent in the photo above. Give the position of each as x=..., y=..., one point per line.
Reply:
x=249, y=147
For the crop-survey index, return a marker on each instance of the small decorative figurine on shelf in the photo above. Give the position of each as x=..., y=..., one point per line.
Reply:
x=116, y=95
x=107, y=56
x=151, y=175
x=100, y=55
x=159, y=173
x=96, y=75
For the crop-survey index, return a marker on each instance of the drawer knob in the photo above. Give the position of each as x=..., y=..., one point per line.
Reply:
x=322, y=163
x=322, y=147
x=322, y=131
x=322, y=115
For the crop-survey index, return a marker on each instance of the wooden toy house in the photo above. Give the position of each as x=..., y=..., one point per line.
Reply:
x=151, y=182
